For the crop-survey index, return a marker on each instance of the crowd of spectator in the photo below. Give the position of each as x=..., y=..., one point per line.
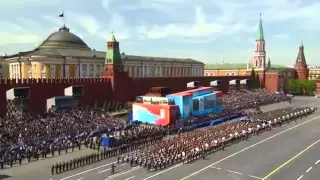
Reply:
x=235, y=102
x=35, y=136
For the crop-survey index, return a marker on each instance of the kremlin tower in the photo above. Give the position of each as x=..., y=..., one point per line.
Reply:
x=301, y=65
x=259, y=55
x=113, y=63
x=114, y=69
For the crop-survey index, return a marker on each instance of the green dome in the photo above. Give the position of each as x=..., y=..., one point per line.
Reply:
x=64, y=39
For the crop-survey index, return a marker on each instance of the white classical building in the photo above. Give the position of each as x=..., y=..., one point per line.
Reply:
x=63, y=54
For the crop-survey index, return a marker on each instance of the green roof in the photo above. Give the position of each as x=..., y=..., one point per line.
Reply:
x=260, y=34
x=236, y=66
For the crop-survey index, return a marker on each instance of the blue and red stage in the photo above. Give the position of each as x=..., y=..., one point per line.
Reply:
x=183, y=105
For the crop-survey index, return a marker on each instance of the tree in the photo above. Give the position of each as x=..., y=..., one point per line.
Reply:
x=255, y=80
x=253, y=73
x=301, y=87
x=258, y=82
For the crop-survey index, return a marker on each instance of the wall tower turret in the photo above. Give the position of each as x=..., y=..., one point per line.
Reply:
x=301, y=64
x=259, y=55
x=113, y=62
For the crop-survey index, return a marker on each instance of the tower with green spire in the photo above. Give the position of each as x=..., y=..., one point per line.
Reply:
x=113, y=52
x=113, y=61
x=260, y=33
x=114, y=70
x=259, y=55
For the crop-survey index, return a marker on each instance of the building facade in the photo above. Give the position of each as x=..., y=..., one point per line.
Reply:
x=314, y=73
x=63, y=54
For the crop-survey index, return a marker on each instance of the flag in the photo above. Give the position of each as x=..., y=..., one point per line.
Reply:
x=61, y=15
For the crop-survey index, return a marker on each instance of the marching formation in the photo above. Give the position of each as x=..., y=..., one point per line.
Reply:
x=193, y=145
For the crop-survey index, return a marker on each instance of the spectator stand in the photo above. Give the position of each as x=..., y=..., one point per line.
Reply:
x=234, y=85
x=216, y=85
x=17, y=101
x=77, y=92
x=245, y=84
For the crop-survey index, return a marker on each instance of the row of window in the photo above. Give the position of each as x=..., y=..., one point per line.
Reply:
x=91, y=70
x=157, y=71
x=227, y=74
x=314, y=72
x=87, y=70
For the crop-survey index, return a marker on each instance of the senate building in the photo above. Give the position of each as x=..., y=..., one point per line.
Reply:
x=64, y=54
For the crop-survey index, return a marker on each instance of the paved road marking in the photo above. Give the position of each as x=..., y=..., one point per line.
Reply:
x=125, y=172
x=293, y=158
x=255, y=177
x=317, y=162
x=80, y=179
x=300, y=177
x=103, y=170
x=309, y=169
x=249, y=147
x=130, y=177
x=163, y=171
x=234, y=172
x=68, y=177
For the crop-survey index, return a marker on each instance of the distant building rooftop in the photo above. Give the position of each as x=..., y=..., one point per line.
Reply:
x=228, y=66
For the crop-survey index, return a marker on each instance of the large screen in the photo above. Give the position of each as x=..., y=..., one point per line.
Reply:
x=64, y=103
x=78, y=90
x=21, y=92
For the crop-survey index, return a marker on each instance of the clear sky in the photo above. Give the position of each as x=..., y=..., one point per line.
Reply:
x=206, y=30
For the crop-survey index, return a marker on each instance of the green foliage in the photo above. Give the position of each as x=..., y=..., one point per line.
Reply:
x=301, y=87
x=255, y=80
x=253, y=74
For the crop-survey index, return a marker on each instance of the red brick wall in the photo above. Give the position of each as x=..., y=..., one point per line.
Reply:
x=272, y=82
x=95, y=89
x=140, y=86
x=121, y=88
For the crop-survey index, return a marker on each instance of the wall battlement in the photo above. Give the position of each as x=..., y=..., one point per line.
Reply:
x=100, y=90
x=53, y=80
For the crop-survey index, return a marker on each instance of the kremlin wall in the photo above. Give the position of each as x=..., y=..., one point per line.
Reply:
x=101, y=90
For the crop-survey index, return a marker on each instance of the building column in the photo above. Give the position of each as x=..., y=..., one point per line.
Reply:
x=94, y=70
x=88, y=70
